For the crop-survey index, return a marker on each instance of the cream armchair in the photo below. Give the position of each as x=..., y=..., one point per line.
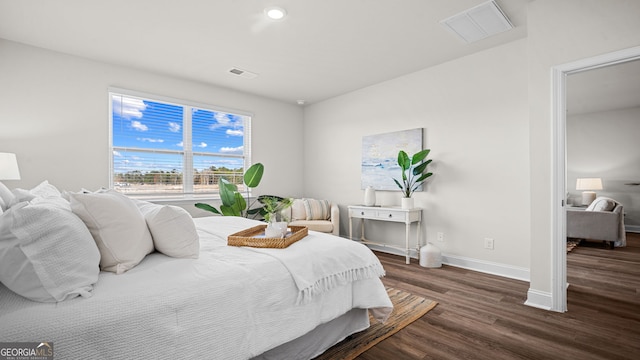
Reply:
x=317, y=215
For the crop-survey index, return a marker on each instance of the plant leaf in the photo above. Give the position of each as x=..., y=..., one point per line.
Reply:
x=253, y=175
x=419, y=156
x=399, y=185
x=420, y=168
x=207, y=207
x=403, y=160
x=423, y=177
x=239, y=204
x=227, y=192
x=228, y=211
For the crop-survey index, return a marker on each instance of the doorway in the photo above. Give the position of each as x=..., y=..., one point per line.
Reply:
x=559, y=83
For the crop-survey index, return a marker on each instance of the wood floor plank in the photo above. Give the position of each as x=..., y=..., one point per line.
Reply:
x=482, y=316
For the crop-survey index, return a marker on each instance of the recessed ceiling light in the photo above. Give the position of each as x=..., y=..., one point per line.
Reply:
x=275, y=13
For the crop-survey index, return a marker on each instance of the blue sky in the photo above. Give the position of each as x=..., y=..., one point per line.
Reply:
x=154, y=125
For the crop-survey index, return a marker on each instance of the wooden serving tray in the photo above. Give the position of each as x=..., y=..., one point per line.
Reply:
x=254, y=237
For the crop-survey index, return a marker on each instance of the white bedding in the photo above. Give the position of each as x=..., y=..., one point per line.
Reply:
x=230, y=303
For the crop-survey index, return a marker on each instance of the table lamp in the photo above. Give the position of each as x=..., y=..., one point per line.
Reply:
x=9, y=167
x=588, y=185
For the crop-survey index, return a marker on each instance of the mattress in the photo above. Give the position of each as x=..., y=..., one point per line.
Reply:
x=230, y=303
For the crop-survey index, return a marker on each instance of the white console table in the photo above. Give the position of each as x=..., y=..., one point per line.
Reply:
x=392, y=214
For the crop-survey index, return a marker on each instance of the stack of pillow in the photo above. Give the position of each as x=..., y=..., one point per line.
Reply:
x=53, y=246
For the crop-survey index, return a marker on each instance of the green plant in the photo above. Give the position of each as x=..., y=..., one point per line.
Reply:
x=233, y=203
x=272, y=205
x=415, y=167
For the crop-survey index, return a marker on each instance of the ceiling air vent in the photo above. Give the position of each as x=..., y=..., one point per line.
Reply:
x=243, y=73
x=478, y=22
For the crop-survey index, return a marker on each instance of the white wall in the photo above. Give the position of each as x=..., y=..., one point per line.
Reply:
x=54, y=116
x=606, y=145
x=560, y=32
x=475, y=115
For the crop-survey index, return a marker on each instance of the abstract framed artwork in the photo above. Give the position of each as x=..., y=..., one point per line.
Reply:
x=380, y=157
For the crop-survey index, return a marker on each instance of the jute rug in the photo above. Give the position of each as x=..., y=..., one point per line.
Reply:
x=407, y=308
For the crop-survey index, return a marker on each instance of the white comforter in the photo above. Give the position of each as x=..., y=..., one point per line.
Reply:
x=231, y=303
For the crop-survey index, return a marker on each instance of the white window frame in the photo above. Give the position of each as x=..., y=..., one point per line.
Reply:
x=187, y=168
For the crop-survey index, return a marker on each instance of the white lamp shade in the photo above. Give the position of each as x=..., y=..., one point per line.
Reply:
x=589, y=184
x=9, y=167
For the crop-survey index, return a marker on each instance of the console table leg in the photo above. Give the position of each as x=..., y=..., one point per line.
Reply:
x=406, y=241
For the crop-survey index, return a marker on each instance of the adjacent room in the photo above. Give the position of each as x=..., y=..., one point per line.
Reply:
x=320, y=179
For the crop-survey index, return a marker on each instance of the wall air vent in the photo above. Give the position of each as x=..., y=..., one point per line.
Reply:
x=243, y=73
x=478, y=22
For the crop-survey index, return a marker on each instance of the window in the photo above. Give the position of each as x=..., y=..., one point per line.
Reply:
x=164, y=147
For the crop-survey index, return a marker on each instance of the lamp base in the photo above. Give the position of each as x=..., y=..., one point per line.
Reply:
x=588, y=197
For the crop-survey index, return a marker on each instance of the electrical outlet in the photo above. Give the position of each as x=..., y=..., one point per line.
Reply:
x=488, y=243
x=440, y=236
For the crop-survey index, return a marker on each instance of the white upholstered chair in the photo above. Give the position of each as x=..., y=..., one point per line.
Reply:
x=603, y=220
x=317, y=215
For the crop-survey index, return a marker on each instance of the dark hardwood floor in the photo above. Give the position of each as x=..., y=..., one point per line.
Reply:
x=481, y=316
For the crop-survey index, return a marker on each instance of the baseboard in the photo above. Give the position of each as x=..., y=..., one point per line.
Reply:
x=632, y=228
x=508, y=271
x=503, y=270
x=539, y=299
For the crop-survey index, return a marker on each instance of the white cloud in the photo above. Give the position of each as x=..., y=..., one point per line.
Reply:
x=232, y=150
x=150, y=140
x=174, y=127
x=227, y=120
x=180, y=144
x=235, y=132
x=201, y=145
x=128, y=108
x=139, y=126
x=117, y=153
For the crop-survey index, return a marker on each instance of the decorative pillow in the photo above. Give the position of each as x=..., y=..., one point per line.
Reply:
x=44, y=192
x=298, y=211
x=6, y=196
x=46, y=253
x=601, y=203
x=172, y=229
x=317, y=209
x=117, y=226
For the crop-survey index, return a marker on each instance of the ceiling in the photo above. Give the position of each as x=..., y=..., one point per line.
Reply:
x=322, y=49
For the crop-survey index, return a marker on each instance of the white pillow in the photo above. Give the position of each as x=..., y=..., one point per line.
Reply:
x=601, y=204
x=6, y=196
x=117, y=226
x=43, y=192
x=172, y=229
x=46, y=253
x=297, y=210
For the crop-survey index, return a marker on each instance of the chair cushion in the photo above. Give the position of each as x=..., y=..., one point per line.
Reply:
x=316, y=225
x=317, y=209
x=601, y=204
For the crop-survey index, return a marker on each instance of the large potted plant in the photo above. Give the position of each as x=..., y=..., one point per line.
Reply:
x=233, y=203
x=413, y=174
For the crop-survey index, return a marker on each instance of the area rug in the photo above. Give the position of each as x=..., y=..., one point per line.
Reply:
x=571, y=243
x=407, y=308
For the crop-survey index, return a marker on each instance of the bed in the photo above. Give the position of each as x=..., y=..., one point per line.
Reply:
x=228, y=303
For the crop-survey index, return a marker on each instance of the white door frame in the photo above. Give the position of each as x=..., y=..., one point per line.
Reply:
x=559, y=112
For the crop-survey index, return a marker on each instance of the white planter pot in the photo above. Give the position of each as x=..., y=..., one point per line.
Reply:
x=430, y=256
x=407, y=203
x=369, y=196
